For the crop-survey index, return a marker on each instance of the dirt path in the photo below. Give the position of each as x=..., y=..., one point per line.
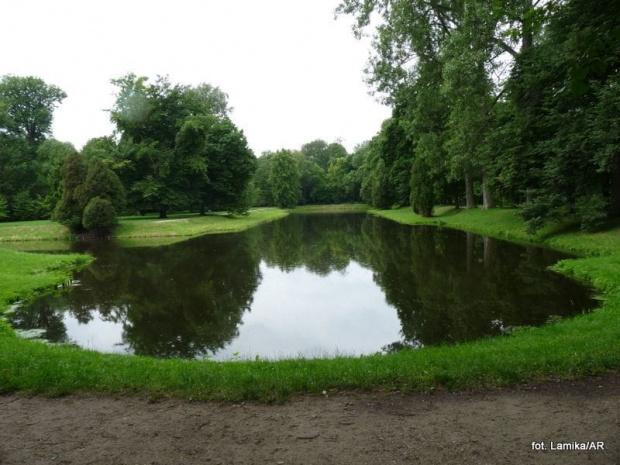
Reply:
x=490, y=427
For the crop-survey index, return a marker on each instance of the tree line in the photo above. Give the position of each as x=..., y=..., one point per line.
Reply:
x=514, y=102
x=509, y=103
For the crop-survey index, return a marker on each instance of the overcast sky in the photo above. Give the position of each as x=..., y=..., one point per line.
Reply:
x=292, y=72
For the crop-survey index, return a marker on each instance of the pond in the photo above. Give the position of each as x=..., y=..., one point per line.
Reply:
x=306, y=285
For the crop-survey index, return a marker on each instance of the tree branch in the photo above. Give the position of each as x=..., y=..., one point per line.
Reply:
x=505, y=47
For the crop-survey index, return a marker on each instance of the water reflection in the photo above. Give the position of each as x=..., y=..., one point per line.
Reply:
x=307, y=284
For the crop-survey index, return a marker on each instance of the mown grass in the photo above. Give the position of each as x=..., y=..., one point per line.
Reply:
x=24, y=274
x=181, y=225
x=338, y=208
x=43, y=230
x=185, y=225
x=584, y=345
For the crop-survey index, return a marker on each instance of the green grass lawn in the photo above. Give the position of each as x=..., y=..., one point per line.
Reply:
x=184, y=225
x=180, y=225
x=339, y=208
x=23, y=274
x=575, y=347
x=43, y=230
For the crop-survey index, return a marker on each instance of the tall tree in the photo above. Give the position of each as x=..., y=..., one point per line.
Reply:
x=465, y=44
x=178, y=148
x=284, y=179
x=26, y=107
x=70, y=208
x=50, y=157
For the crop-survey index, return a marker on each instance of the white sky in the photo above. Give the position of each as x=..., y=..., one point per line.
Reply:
x=292, y=73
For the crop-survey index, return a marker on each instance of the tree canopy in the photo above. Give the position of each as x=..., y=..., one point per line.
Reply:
x=514, y=101
x=178, y=147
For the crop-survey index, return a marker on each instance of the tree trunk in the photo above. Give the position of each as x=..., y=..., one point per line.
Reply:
x=457, y=203
x=163, y=213
x=470, y=202
x=202, y=209
x=614, y=186
x=529, y=196
x=487, y=199
x=471, y=242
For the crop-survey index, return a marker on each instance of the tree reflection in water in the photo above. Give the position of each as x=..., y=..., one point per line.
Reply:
x=188, y=299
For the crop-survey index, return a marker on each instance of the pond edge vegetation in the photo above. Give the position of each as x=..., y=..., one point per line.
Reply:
x=584, y=345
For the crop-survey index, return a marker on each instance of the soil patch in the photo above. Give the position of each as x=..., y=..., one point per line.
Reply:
x=484, y=427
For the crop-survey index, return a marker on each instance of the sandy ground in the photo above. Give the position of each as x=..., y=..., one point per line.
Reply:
x=489, y=427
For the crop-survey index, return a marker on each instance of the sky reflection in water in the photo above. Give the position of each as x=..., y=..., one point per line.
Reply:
x=306, y=285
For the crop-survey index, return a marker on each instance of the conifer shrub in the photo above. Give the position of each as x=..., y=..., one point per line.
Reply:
x=99, y=215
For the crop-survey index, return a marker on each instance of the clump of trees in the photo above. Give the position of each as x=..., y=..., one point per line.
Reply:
x=496, y=102
x=30, y=162
x=178, y=148
x=92, y=195
x=174, y=148
x=319, y=173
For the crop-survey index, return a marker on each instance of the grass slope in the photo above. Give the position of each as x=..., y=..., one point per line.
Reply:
x=588, y=344
x=184, y=225
x=23, y=274
x=180, y=225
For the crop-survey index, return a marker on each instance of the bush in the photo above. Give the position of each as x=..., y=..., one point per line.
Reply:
x=99, y=214
x=4, y=208
x=592, y=212
x=543, y=209
x=68, y=213
x=27, y=208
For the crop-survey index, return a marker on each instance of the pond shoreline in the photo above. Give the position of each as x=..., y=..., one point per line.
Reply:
x=577, y=347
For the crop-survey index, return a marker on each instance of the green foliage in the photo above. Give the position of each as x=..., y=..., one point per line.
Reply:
x=81, y=185
x=4, y=207
x=178, y=148
x=264, y=195
x=99, y=215
x=422, y=189
x=27, y=105
x=379, y=186
x=592, y=212
x=29, y=164
x=69, y=211
x=27, y=208
x=51, y=155
x=231, y=166
x=101, y=182
x=539, y=211
x=321, y=153
x=104, y=148
x=544, y=132
x=284, y=179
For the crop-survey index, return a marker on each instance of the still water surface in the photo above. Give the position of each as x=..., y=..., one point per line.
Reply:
x=306, y=285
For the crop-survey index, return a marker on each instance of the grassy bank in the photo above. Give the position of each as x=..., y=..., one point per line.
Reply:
x=184, y=225
x=24, y=274
x=339, y=208
x=43, y=230
x=505, y=223
x=588, y=344
x=180, y=225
